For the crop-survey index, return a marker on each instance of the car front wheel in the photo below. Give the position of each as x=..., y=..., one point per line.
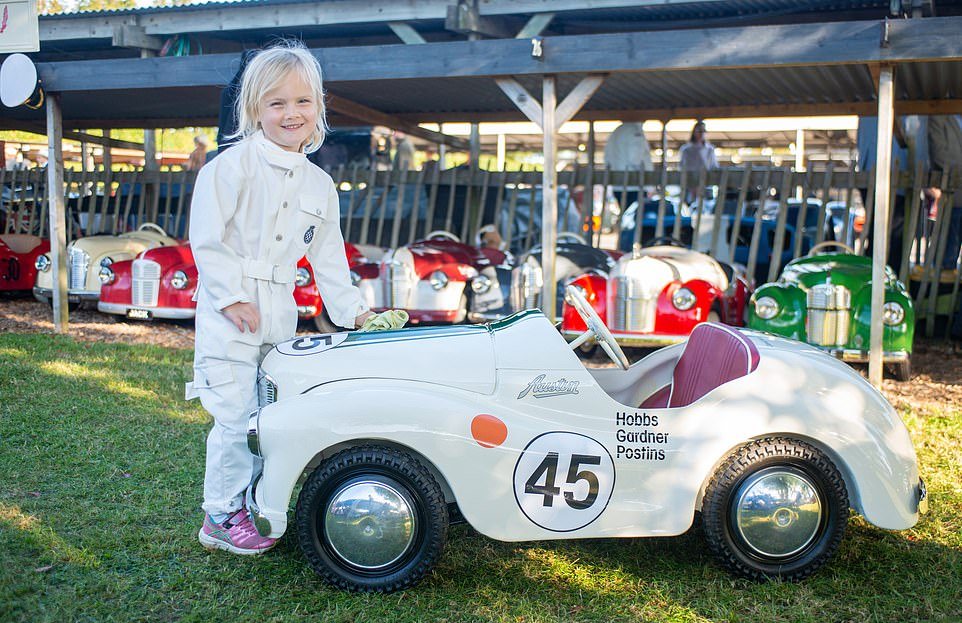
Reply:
x=371, y=519
x=776, y=508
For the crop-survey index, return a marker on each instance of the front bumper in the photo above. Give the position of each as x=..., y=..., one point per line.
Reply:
x=172, y=313
x=45, y=295
x=853, y=355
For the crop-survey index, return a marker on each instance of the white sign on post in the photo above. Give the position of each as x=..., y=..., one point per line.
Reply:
x=19, y=26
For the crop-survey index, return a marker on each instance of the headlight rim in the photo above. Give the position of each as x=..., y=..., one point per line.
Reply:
x=900, y=313
x=106, y=275
x=181, y=277
x=438, y=280
x=302, y=277
x=766, y=302
x=481, y=284
x=42, y=263
x=692, y=299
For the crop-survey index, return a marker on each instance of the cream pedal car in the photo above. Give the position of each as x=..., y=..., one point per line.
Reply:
x=770, y=439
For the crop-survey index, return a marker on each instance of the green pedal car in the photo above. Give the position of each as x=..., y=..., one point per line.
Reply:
x=825, y=300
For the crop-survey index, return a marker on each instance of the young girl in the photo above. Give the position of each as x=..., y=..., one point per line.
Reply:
x=257, y=208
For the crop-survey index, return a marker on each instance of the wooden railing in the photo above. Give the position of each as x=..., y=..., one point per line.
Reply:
x=393, y=207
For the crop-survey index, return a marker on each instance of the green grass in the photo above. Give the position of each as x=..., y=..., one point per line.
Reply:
x=102, y=466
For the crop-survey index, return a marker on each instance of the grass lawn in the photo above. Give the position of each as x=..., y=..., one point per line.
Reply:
x=102, y=466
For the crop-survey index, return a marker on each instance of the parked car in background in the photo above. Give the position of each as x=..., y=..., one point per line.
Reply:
x=574, y=257
x=390, y=436
x=86, y=256
x=18, y=260
x=438, y=280
x=825, y=300
x=656, y=295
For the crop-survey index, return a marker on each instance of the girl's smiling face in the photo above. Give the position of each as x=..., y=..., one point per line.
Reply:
x=288, y=113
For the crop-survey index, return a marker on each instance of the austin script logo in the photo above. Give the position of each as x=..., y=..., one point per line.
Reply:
x=539, y=388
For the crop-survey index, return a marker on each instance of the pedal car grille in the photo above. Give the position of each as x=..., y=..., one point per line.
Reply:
x=526, y=291
x=398, y=285
x=77, y=270
x=829, y=315
x=632, y=306
x=266, y=390
x=145, y=283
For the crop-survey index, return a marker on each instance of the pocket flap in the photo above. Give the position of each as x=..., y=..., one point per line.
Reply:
x=315, y=205
x=212, y=376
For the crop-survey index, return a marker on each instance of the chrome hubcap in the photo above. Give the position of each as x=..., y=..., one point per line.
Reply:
x=370, y=524
x=778, y=512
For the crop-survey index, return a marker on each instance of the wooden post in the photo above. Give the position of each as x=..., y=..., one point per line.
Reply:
x=58, y=221
x=883, y=172
x=549, y=198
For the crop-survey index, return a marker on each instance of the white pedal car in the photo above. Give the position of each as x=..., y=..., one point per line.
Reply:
x=772, y=440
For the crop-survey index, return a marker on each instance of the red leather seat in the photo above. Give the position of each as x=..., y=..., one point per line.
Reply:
x=713, y=355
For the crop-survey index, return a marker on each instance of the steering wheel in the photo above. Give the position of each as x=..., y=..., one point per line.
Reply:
x=669, y=240
x=830, y=243
x=596, y=328
x=440, y=233
x=153, y=226
x=570, y=236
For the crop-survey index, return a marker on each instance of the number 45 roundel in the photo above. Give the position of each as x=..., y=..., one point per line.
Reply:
x=563, y=481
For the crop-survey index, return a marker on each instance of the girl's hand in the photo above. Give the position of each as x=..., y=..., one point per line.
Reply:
x=241, y=314
x=359, y=321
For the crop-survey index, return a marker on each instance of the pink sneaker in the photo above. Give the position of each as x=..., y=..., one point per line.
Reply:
x=237, y=535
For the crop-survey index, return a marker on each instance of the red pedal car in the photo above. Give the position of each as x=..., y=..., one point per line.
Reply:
x=18, y=260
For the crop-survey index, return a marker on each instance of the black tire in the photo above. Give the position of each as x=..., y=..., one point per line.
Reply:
x=816, y=536
x=392, y=471
x=323, y=323
x=902, y=370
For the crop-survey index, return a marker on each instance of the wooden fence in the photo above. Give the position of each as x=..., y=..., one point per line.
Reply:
x=750, y=213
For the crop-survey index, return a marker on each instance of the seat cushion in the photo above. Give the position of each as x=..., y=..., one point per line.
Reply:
x=715, y=354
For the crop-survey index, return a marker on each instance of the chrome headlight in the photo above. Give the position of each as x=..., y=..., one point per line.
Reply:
x=683, y=299
x=568, y=298
x=106, y=275
x=179, y=280
x=302, y=277
x=893, y=313
x=355, y=278
x=481, y=284
x=253, y=437
x=107, y=261
x=43, y=263
x=438, y=280
x=766, y=308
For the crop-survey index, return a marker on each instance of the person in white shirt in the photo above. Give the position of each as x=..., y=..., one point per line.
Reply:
x=258, y=208
x=698, y=154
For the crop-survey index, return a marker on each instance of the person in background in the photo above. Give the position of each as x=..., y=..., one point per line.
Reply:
x=945, y=154
x=698, y=154
x=404, y=152
x=198, y=157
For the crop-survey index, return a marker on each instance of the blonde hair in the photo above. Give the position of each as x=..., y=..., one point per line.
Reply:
x=267, y=69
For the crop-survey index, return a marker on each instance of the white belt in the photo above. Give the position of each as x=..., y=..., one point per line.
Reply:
x=265, y=271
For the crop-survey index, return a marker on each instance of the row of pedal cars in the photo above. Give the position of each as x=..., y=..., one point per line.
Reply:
x=653, y=295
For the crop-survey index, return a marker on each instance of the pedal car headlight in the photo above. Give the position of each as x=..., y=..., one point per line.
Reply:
x=355, y=278
x=893, y=313
x=683, y=299
x=43, y=263
x=106, y=275
x=438, y=279
x=481, y=284
x=766, y=308
x=179, y=280
x=302, y=277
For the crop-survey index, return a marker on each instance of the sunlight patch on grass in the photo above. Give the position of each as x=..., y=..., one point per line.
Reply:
x=573, y=572
x=109, y=379
x=12, y=353
x=12, y=517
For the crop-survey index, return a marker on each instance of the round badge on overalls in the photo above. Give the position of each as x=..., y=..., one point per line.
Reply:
x=309, y=235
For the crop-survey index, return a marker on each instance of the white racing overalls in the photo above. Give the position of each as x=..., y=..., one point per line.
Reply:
x=255, y=211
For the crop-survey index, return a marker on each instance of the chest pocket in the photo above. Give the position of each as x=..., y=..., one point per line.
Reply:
x=311, y=216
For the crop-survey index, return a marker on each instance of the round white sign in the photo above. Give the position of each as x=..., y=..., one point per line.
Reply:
x=18, y=80
x=563, y=481
x=310, y=344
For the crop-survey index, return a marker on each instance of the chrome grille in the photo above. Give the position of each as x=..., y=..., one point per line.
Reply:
x=145, y=283
x=266, y=390
x=526, y=287
x=829, y=315
x=631, y=306
x=77, y=270
x=397, y=286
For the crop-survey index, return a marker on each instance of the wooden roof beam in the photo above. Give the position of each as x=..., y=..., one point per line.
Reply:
x=83, y=137
x=364, y=114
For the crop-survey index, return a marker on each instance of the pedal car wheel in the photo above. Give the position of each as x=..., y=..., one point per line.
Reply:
x=371, y=519
x=902, y=370
x=776, y=508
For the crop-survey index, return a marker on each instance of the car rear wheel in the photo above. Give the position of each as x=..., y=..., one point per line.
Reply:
x=371, y=519
x=776, y=508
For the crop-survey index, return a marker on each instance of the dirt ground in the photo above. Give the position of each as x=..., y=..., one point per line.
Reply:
x=936, y=364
